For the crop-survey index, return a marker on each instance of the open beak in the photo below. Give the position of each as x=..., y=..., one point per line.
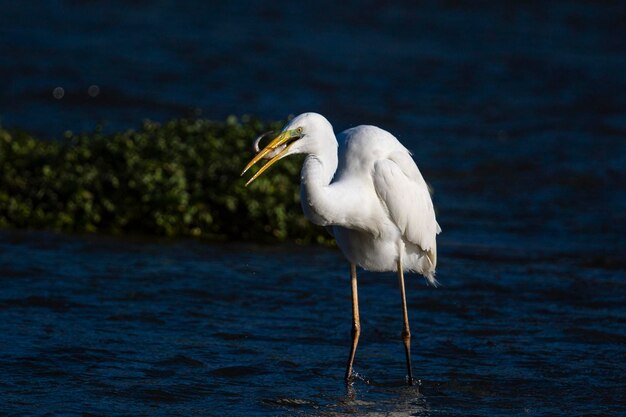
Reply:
x=276, y=150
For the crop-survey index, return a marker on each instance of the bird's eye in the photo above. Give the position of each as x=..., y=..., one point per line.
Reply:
x=299, y=130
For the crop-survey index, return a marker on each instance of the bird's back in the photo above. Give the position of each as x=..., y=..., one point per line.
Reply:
x=361, y=146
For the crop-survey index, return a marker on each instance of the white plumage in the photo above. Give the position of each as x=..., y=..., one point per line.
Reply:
x=400, y=222
x=365, y=187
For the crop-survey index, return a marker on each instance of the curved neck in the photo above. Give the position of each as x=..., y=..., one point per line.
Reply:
x=317, y=172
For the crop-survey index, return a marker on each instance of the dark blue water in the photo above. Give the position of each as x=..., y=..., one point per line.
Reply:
x=132, y=327
x=517, y=117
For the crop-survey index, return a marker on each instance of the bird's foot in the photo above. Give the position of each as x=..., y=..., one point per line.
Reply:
x=413, y=382
x=354, y=377
x=349, y=378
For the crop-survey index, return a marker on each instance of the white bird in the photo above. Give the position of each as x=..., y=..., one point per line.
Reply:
x=370, y=195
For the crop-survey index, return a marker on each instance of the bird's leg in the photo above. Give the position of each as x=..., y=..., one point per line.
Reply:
x=406, y=331
x=356, y=322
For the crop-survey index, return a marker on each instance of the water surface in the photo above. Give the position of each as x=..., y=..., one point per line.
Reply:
x=516, y=117
x=104, y=326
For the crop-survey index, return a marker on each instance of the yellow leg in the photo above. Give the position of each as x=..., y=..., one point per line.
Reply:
x=406, y=331
x=356, y=322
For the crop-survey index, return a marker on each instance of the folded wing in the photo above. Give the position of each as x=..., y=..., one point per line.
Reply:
x=402, y=189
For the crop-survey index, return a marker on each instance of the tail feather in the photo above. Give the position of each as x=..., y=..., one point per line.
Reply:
x=430, y=277
x=431, y=256
x=429, y=264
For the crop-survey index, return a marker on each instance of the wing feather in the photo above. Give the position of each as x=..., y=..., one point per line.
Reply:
x=402, y=189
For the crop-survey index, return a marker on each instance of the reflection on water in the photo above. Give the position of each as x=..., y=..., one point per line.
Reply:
x=106, y=326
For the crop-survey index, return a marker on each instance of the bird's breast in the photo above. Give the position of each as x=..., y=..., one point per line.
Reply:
x=369, y=251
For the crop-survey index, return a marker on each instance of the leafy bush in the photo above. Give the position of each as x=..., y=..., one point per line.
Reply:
x=181, y=178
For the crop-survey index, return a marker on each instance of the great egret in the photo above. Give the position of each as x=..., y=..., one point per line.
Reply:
x=378, y=206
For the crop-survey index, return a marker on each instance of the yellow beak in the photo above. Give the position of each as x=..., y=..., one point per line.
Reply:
x=280, y=140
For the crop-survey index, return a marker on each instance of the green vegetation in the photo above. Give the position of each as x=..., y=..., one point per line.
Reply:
x=181, y=178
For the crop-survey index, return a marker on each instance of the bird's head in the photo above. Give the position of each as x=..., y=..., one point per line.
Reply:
x=300, y=135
